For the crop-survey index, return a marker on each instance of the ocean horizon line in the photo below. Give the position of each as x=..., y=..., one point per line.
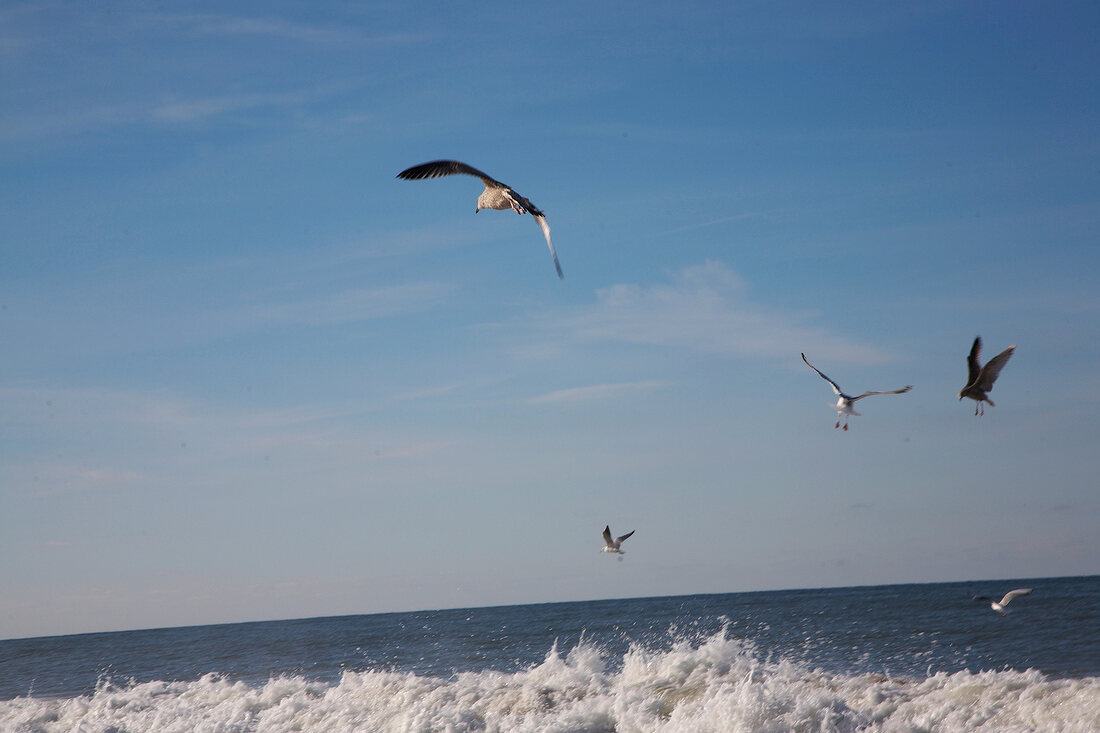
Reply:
x=533, y=604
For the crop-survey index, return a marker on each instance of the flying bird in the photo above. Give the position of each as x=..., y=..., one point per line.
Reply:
x=979, y=379
x=496, y=195
x=613, y=545
x=844, y=402
x=999, y=606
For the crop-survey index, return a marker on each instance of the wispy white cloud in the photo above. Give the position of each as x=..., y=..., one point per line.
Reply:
x=426, y=393
x=72, y=119
x=52, y=99
x=42, y=408
x=721, y=220
x=707, y=308
x=416, y=450
x=597, y=392
x=270, y=27
x=76, y=117
x=444, y=236
x=348, y=306
x=29, y=35
x=346, y=447
x=280, y=28
x=52, y=479
x=135, y=440
x=190, y=110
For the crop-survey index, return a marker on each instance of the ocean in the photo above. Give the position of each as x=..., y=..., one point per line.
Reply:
x=887, y=658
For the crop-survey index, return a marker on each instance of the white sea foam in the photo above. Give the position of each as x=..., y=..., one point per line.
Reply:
x=716, y=685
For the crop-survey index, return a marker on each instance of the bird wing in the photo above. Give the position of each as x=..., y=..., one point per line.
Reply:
x=822, y=375
x=903, y=390
x=973, y=362
x=607, y=535
x=440, y=168
x=988, y=374
x=545, y=227
x=522, y=202
x=625, y=536
x=1013, y=594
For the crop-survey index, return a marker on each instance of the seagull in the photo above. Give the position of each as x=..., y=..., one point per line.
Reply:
x=979, y=379
x=999, y=606
x=496, y=195
x=844, y=402
x=613, y=545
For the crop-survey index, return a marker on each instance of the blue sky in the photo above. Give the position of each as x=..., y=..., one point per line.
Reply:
x=248, y=374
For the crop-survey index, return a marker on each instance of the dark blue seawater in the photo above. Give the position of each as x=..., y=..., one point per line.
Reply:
x=892, y=640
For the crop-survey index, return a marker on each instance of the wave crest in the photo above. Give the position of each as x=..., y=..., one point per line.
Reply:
x=716, y=683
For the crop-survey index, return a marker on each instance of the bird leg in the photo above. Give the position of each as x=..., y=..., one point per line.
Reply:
x=983, y=409
x=845, y=426
x=837, y=423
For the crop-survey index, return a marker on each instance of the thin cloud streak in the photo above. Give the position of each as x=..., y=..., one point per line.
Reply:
x=273, y=27
x=28, y=33
x=76, y=119
x=149, y=441
x=446, y=236
x=426, y=393
x=722, y=220
x=158, y=411
x=597, y=392
x=270, y=27
x=199, y=109
x=349, y=306
x=51, y=480
x=73, y=408
x=90, y=118
x=706, y=309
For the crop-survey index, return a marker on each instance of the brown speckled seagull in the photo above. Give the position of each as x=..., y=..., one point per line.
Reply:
x=979, y=379
x=844, y=402
x=496, y=195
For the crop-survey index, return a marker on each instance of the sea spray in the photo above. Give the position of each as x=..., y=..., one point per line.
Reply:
x=716, y=683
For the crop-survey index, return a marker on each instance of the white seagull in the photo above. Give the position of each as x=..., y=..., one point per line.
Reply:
x=999, y=606
x=844, y=402
x=496, y=195
x=613, y=544
x=979, y=379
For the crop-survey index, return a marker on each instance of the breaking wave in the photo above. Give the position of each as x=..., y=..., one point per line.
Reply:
x=713, y=684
